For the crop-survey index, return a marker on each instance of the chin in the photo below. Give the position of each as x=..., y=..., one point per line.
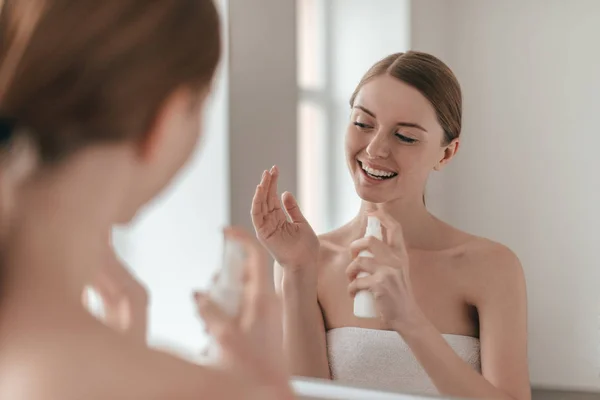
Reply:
x=371, y=195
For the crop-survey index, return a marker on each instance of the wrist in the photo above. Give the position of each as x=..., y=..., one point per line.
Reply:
x=298, y=282
x=416, y=328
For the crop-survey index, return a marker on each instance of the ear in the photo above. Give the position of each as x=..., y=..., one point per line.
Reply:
x=155, y=136
x=448, y=153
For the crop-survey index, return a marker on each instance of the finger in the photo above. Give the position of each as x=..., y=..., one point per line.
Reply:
x=264, y=179
x=114, y=281
x=85, y=298
x=363, y=283
x=256, y=267
x=272, y=198
x=393, y=229
x=217, y=322
x=256, y=206
x=291, y=208
x=267, y=188
x=258, y=217
x=361, y=264
x=371, y=244
x=109, y=289
x=264, y=191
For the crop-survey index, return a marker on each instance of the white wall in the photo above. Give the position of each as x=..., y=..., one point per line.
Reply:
x=251, y=124
x=526, y=173
x=174, y=246
x=359, y=33
x=262, y=100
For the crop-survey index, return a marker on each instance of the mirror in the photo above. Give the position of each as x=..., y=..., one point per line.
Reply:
x=522, y=176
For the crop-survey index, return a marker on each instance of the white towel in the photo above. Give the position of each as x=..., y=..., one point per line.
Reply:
x=381, y=359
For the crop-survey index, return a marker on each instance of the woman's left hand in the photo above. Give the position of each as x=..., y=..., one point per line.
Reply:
x=389, y=275
x=125, y=300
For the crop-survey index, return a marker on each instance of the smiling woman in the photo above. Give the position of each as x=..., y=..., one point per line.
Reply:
x=405, y=85
x=452, y=305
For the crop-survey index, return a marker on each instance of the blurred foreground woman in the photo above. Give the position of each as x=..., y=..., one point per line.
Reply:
x=112, y=93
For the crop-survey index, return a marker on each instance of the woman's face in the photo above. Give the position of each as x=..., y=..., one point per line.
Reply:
x=393, y=141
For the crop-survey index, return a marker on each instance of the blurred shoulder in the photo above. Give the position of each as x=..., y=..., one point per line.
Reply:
x=106, y=366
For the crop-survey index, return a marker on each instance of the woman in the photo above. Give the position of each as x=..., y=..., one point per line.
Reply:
x=452, y=305
x=112, y=93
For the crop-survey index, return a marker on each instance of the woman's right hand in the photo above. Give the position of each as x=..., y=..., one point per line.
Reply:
x=292, y=243
x=251, y=343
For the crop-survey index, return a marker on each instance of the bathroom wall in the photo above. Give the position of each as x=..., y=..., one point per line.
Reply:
x=175, y=244
x=357, y=34
x=263, y=96
x=526, y=172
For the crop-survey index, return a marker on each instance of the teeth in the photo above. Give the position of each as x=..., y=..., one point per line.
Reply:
x=377, y=173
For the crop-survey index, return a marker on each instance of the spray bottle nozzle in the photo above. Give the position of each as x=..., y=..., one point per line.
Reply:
x=374, y=227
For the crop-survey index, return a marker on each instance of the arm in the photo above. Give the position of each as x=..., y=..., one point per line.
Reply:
x=502, y=307
x=285, y=232
x=304, y=339
x=501, y=300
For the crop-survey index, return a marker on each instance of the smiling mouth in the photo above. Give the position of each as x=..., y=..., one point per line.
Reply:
x=376, y=173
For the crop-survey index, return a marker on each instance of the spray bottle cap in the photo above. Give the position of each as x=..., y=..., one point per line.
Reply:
x=374, y=228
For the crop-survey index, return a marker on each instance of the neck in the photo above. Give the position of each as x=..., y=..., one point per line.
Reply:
x=411, y=213
x=61, y=228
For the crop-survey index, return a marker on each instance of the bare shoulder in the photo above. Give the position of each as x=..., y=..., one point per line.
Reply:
x=492, y=257
x=111, y=368
x=494, y=268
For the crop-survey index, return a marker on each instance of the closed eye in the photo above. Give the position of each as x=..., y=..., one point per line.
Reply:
x=406, y=139
x=362, y=126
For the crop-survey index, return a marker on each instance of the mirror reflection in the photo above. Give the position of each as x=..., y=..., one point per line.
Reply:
x=309, y=199
x=513, y=184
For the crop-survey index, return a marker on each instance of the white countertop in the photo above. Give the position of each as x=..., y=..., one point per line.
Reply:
x=315, y=389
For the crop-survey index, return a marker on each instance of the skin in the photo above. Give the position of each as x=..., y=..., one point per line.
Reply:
x=57, y=243
x=428, y=278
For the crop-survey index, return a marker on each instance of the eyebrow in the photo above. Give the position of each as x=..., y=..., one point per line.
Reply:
x=405, y=124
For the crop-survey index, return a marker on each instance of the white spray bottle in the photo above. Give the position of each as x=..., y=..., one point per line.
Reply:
x=227, y=290
x=364, y=302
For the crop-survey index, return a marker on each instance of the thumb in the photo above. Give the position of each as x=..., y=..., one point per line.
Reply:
x=291, y=207
x=218, y=323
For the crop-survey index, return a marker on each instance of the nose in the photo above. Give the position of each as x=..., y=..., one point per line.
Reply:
x=379, y=146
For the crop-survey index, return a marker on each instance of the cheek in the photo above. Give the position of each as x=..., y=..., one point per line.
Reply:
x=412, y=159
x=355, y=141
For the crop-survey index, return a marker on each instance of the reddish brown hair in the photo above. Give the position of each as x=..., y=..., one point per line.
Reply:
x=432, y=78
x=78, y=72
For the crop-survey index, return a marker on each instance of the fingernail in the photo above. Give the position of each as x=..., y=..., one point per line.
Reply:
x=273, y=168
x=265, y=172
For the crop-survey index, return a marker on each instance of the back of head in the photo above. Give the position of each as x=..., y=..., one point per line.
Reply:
x=79, y=72
x=432, y=78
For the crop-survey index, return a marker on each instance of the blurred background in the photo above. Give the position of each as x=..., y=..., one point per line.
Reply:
x=525, y=175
